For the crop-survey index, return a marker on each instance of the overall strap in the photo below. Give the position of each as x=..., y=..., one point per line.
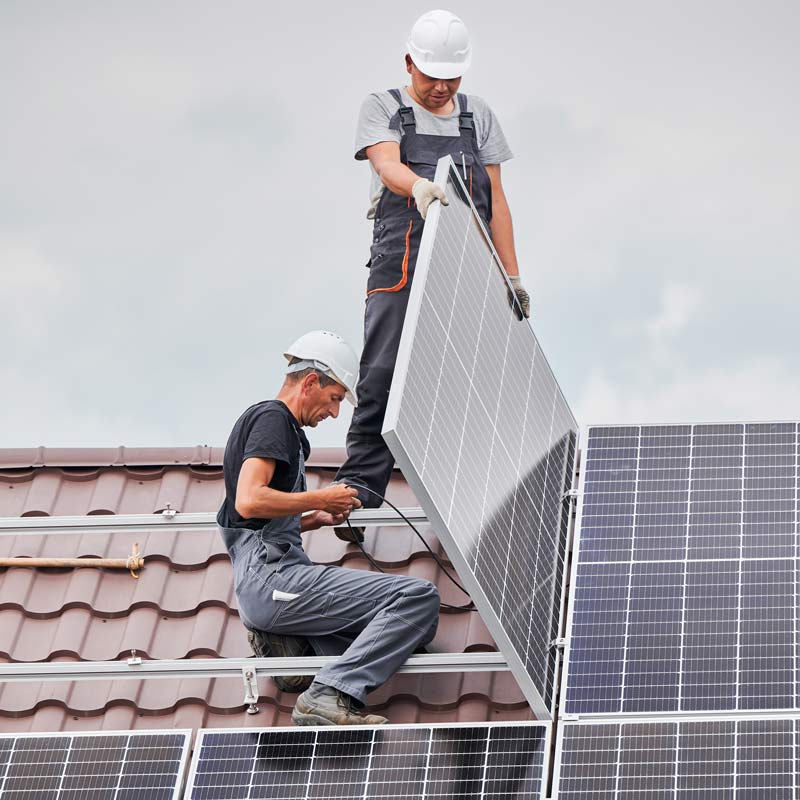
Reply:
x=465, y=120
x=300, y=480
x=406, y=112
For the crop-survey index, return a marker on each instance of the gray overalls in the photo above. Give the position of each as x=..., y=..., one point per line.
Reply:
x=396, y=238
x=373, y=621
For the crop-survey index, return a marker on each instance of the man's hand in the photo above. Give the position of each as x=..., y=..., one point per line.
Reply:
x=425, y=192
x=338, y=499
x=321, y=519
x=522, y=297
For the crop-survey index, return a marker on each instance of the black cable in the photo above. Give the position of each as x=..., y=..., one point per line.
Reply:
x=468, y=607
x=410, y=525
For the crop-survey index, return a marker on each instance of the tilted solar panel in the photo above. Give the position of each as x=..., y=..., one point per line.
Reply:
x=485, y=438
x=701, y=759
x=501, y=762
x=93, y=766
x=686, y=584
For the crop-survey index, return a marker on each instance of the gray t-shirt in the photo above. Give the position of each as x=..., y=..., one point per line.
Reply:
x=378, y=121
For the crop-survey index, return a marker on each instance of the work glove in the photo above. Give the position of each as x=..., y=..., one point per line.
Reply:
x=425, y=192
x=522, y=297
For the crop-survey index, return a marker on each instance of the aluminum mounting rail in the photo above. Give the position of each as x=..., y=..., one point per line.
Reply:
x=171, y=520
x=140, y=668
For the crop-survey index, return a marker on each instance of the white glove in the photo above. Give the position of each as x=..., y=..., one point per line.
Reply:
x=425, y=192
x=523, y=298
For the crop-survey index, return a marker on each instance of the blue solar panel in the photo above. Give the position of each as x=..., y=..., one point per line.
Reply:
x=482, y=761
x=702, y=759
x=88, y=766
x=685, y=586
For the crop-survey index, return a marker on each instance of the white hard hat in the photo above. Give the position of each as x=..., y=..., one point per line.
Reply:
x=439, y=45
x=331, y=355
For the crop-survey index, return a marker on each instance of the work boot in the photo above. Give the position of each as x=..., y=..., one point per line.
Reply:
x=324, y=705
x=349, y=533
x=273, y=645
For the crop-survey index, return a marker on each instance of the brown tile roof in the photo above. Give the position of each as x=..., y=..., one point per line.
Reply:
x=182, y=605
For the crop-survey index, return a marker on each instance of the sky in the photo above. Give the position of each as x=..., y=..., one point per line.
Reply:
x=179, y=202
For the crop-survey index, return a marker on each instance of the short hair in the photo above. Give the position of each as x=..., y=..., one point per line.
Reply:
x=295, y=377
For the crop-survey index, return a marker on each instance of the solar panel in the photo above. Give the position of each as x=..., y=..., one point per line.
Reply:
x=485, y=438
x=93, y=766
x=701, y=759
x=502, y=761
x=686, y=584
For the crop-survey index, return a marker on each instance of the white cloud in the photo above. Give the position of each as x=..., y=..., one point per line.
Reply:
x=179, y=201
x=25, y=267
x=759, y=389
x=30, y=284
x=678, y=306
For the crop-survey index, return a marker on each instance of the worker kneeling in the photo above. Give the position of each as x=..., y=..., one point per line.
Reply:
x=292, y=606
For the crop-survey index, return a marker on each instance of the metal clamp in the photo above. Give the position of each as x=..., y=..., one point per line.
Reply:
x=559, y=643
x=169, y=512
x=134, y=660
x=570, y=494
x=250, y=689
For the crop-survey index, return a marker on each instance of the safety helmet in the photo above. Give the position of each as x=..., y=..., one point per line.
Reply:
x=439, y=45
x=331, y=355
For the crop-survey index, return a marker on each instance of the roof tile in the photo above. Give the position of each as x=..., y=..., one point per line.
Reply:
x=183, y=605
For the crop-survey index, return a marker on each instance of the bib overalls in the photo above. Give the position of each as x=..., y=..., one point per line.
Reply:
x=396, y=237
x=371, y=620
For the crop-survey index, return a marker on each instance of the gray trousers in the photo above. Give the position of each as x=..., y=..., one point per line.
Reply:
x=371, y=620
x=369, y=460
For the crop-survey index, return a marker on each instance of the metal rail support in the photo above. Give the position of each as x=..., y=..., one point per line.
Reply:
x=172, y=520
x=250, y=689
x=139, y=668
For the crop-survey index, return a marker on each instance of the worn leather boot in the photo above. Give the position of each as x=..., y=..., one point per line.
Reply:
x=349, y=533
x=324, y=705
x=273, y=645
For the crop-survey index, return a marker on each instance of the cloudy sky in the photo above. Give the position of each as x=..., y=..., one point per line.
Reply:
x=178, y=202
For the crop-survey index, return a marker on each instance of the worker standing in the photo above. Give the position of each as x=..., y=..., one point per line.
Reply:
x=373, y=621
x=403, y=133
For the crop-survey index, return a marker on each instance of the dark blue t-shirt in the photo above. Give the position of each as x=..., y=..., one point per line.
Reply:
x=266, y=430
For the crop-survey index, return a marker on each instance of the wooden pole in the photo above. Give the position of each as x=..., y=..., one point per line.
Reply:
x=133, y=562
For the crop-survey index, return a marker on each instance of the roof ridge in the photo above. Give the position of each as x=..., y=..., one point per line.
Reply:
x=122, y=456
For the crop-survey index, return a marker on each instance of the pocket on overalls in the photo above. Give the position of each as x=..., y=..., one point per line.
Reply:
x=267, y=561
x=342, y=607
x=255, y=578
x=388, y=269
x=347, y=607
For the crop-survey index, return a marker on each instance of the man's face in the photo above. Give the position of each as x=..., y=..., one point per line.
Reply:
x=320, y=402
x=432, y=93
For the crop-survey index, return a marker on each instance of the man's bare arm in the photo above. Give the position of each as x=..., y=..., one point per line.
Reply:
x=394, y=175
x=255, y=499
x=502, y=228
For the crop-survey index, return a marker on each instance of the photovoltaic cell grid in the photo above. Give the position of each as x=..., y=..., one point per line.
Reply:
x=404, y=762
x=114, y=766
x=481, y=430
x=685, y=589
x=716, y=759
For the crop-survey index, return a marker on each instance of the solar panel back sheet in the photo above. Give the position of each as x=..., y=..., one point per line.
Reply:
x=93, y=766
x=686, y=584
x=485, y=438
x=471, y=762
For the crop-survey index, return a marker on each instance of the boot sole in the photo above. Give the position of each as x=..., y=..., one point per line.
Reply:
x=311, y=719
x=303, y=720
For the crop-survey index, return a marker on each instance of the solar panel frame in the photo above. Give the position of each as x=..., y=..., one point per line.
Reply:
x=675, y=764
x=78, y=790
x=792, y=554
x=434, y=782
x=541, y=697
